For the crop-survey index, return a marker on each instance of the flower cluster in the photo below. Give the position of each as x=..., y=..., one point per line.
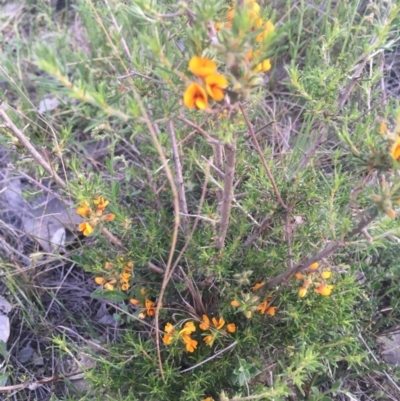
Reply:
x=148, y=307
x=215, y=327
x=209, y=84
x=94, y=214
x=116, y=276
x=313, y=278
x=183, y=335
x=250, y=303
x=264, y=29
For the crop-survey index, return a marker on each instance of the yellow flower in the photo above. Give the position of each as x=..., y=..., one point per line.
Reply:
x=188, y=328
x=303, y=292
x=395, y=150
x=135, y=302
x=235, y=304
x=101, y=204
x=195, y=96
x=314, y=266
x=205, y=325
x=84, y=210
x=271, y=310
x=231, y=327
x=269, y=29
x=257, y=286
x=324, y=290
x=125, y=277
x=264, y=66
x=201, y=67
x=150, y=307
x=214, y=85
x=218, y=323
x=125, y=286
x=190, y=344
x=86, y=228
x=326, y=274
x=99, y=280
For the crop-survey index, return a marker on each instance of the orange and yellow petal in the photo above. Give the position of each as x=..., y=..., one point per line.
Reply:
x=83, y=211
x=218, y=323
x=314, y=266
x=195, y=97
x=269, y=29
x=135, y=302
x=303, y=292
x=108, y=217
x=109, y=286
x=324, y=290
x=201, y=66
x=257, y=286
x=169, y=328
x=395, y=150
x=271, y=310
x=143, y=291
x=326, y=274
x=167, y=339
x=188, y=329
x=299, y=276
x=215, y=83
x=125, y=286
x=99, y=280
x=231, y=327
x=101, y=204
x=235, y=303
x=190, y=344
x=86, y=228
x=262, y=307
x=150, y=307
x=205, y=324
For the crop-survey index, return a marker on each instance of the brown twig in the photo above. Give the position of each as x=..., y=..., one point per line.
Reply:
x=263, y=161
x=179, y=176
x=227, y=194
x=367, y=218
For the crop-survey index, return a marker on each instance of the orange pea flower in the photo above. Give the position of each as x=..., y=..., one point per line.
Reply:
x=314, y=266
x=188, y=329
x=101, y=204
x=108, y=217
x=218, y=323
x=262, y=307
x=299, y=276
x=99, y=280
x=264, y=66
x=86, y=228
x=324, y=290
x=303, y=292
x=135, y=302
x=269, y=29
x=209, y=340
x=169, y=330
x=202, y=67
x=271, y=310
x=150, y=310
x=231, y=327
x=214, y=85
x=326, y=274
x=190, y=344
x=235, y=304
x=195, y=97
x=84, y=209
x=109, y=286
x=205, y=325
x=395, y=150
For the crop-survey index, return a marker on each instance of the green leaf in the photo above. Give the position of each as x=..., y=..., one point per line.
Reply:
x=113, y=296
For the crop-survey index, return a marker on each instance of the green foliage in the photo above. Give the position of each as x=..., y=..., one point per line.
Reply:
x=332, y=164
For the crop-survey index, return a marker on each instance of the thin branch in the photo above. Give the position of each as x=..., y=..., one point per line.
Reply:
x=227, y=194
x=179, y=176
x=367, y=218
x=263, y=161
